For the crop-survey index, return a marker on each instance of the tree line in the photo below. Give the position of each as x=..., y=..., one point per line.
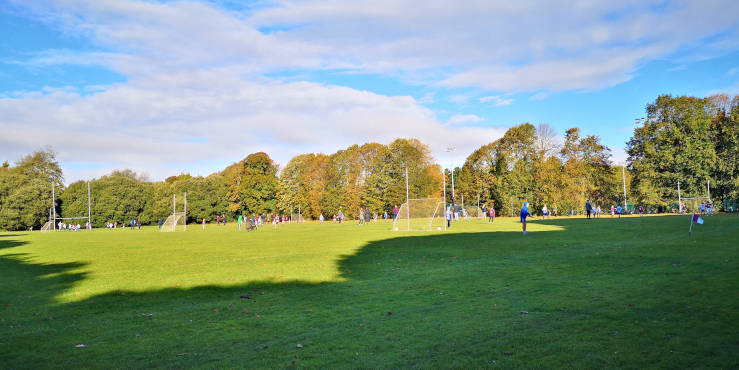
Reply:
x=686, y=139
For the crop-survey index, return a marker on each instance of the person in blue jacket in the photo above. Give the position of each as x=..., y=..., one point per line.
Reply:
x=524, y=214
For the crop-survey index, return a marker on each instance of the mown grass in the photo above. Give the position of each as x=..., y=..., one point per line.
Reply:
x=630, y=292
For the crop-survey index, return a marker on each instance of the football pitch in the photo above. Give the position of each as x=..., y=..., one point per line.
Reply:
x=629, y=292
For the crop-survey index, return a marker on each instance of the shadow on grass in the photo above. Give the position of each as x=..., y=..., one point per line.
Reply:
x=442, y=300
x=11, y=235
x=11, y=243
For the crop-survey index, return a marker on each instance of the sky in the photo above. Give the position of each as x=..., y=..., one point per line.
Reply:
x=170, y=87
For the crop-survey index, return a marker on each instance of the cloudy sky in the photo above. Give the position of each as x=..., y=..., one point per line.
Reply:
x=164, y=87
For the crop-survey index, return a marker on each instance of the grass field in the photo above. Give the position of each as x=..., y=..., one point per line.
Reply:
x=631, y=292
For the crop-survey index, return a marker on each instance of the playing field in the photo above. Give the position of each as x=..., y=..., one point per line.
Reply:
x=631, y=292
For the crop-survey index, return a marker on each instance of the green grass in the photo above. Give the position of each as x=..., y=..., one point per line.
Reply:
x=631, y=292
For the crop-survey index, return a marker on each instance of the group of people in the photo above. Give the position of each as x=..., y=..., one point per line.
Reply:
x=595, y=211
x=72, y=227
x=365, y=216
x=705, y=208
x=221, y=220
x=133, y=223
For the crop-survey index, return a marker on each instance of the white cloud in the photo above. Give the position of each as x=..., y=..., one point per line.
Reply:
x=618, y=156
x=461, y=118
x=201, y=122
x=581, y=45
x=459, y=98
x=728, y=90
x=427, y=99
x=497, y=100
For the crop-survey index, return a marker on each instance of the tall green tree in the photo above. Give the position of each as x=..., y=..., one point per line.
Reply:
x=117, y=197
x=25, y=190
x=725, y=136
x=252, y=185
x=674, y=144
x=292, y=192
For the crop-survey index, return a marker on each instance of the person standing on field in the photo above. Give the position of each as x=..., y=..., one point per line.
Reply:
x=491, y=214
x=203, y=223
x=588, y=208
x=395, y=212
x=524, y=214
x=320, y=218
x=241, y=219
x=544, y=212
x=218, y=220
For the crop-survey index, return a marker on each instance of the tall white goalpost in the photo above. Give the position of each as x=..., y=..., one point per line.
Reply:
x=692, y=204
x=176, y=218
x=50, y=225
x=420, y=214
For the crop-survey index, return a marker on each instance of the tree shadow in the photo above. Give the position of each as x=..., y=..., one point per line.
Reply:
x=440, y=300
x=10, y=243
x=3, y=235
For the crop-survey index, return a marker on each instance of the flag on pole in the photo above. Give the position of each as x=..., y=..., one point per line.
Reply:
x=694, y=219
x=697, y=219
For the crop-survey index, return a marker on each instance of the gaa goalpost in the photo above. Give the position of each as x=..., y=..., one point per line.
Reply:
x=420, y=214
x=50, y=225
x=176, y=219
x=691, y=204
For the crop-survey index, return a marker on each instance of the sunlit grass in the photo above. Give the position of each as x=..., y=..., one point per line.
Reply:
x=142, y=260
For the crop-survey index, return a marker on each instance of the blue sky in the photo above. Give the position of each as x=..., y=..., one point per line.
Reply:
x=169, y=87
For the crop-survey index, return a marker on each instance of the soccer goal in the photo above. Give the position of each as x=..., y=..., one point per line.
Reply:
x=420, y=215
x=700, y=204
x=296, y=217
x=696, y=205
x=54, y=221
x=177, y=221
x=48, y=226
x=474, y=212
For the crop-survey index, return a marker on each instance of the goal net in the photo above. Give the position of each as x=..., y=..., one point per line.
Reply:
x=175, y=222
x=697, y=205
x=420, y=215
x=296, y=217
x=473, y=212
x=47, y=226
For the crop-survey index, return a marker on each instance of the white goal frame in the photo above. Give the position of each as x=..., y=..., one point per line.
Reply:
x=681, y=200
x=176, y=216
x=53, y=217
x=404, y=215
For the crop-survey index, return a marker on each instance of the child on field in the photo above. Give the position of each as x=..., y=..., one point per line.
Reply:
x=524, y=214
